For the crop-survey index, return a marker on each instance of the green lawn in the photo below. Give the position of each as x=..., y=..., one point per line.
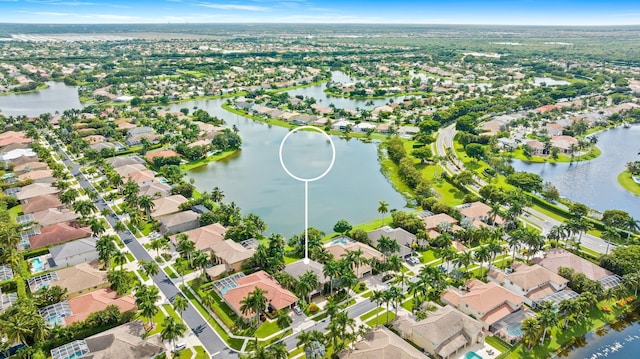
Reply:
x=382, y=319
x=129, y=256
x=15, y=211
x=624, y=179
x=498, y=343
x=203, y=162
x=169, y=309
x=200, y=352
x=185, y=353
x=372, y=314
x=266, y=329
x=222, y=310
x=170, y=272
x=143, y=275
x=233, y=342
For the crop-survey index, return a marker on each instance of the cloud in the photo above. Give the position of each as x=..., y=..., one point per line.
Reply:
x=233, y=7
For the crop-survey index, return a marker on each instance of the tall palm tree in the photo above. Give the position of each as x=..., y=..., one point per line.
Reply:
x=186, y=248
x=531, y=331
x=567, y=307
x=631, y=281
x=84, y=207
x=610, y=234
x=555, y=234
x=172, y=330
x=383, y=208
x=464, y=259
x=347, y=281
x=311, y=341
x=547, y=317
x=119, y=227
x=180, y=304
x=146, y=204
x=150, y=268
x=255, y=302
x=377, y=296
x=97, y=226
x=483, y=255
x=307, y=283
x=106, y=248
x=331, y=269
x=356, y=258
x=279, y=350
x=515, y=240
x=119, y=258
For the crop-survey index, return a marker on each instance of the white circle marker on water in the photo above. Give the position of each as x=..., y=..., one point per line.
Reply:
x=307, y=180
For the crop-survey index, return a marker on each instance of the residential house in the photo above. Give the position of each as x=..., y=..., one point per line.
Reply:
x=75, y=279
x=564, y=143
x=340, y=249
x=14, y=146
x=240, y=286
x=434, y=221
x=126, y=170
x=551, y=129
x=163, y=153
x=11, y=137
x=155, y=190
x=137, y=140
x=41, y=203
x=559, y=257
x=74, y=252
x=488, y=302
x=478, y=212
x=405, y=239
x=82, y=306
x=164, y=206
x=382, y=343
x=363, y=127
x=230, y=255
x=58, y=233
x=36, y=190
x=179, y=222
x=205, y=237
x=29, y=166
x=491, y=128
x=17, y=153
x=38, y=176
x=537, y=147
x=51, y=216
x=341, y=125
x=445, y=332
x=531, y=282
x=142, y=178
x=299, y=267
x=128, y=341
x=137, y=131
x=123, y=161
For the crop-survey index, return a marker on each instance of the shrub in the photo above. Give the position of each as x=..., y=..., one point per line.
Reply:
x=313, y=307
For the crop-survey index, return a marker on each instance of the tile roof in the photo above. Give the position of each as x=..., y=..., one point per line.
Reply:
x=57, y=233
x=382, y=343
x=277, y=296
x=432, y=222
x=100, y=299
x=559, y=257
x=231, y=252
x=36, y=174
x=40, y=203
x=124, y=342
x=81, y=277
x=299, y=267
x=339, y=249
x=51, y=216
x=529, y=277
x=36, y=190
x=167, y=205
x=483, y=298
x=205, y=237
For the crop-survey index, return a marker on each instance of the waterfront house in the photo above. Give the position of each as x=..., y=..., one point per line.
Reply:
x=204, y=238
x=444, y=332
x=299, y=267
x=382, y=343
x=555, y=258
x=179, y=222
x=164, y=206
x=531, y=282
x=488, y=302
x=343, y=246
x=405, y=239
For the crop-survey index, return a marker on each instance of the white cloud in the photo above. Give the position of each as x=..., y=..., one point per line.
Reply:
x=233, y=7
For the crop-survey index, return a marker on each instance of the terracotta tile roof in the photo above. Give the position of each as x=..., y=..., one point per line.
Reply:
x=167, y=205
x=142, y=176
x=51, y=216
x=95, y=301
x=127, y=169
x=559, y=257
x=382, y=343
x=529, y=277
x=339, y=249
x=165, y=153
x=56, y=234
x=474, y=210
x=483, y=298
x=30, y=166
x=277, y=296
x=432, y=222
x=40, y=203
x=205, y=237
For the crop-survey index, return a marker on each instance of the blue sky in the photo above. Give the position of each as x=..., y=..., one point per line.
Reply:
x=500, y=12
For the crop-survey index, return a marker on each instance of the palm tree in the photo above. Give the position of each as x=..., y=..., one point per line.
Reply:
x=200, y=260
x=610, y=234
x=217, y=195
x=448, y=253
x=255, y=302
x=180, y=304
x=84, y=207
x=283, y=320
x=631, y=281
x=356, y=258
x=403, y=279
x=494, y=248
x=531, y=331
x=157, y=244
x=146, y=204
x=547, y=317
x=348, y=280
x=463, y=259
x=119, y=258
x=383, y=209
x=172, y=330
x=150, y=268
x=514, y=241
x=387, y=245
x=97, y=226
x=69, y=196
x=307, y=283
x=483, y=254
x=106, y=248
x=119, y=227
x=567, y=307
x=377, y=296
x=279, y=350
x=555, y=234
x=186, y=248
x=312, y=341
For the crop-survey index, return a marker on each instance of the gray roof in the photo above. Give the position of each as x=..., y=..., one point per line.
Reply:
x=400, y=235
x=123, y=161
x=179, y=218
x=298, y=268
x=69, y=249
x=124, y=342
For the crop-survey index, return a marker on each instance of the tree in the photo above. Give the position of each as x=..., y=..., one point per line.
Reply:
x=475, y=151
x=483, y=254
x=180, y=304
x=383, y=208
x=283, y=320
x=146, y=204
x=150, y=268
x=377, y=297
x=106, y=248
x=255, y=302
x=119, y=281
x=331, y=270
x=547, y=317
x=119, y=258
x=84, y=207
x=97, y=226
x=422, y=153
x=631, y=281
x=172, y=330
x=313, y=344
x=307, y=283
x=342, y=227
x=529, y=182
x=531, y=331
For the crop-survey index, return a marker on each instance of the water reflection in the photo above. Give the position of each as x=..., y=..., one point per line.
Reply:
x=57, y=97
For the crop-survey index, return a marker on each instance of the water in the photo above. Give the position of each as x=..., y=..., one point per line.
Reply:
x=255, y=180
x=514, y=330
x=57, y=97
x=37, y=265
x=595, y=182
x=538, y=81
x=472, y=355
x=617, y=340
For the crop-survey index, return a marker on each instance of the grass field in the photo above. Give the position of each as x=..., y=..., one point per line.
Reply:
x=626, y=182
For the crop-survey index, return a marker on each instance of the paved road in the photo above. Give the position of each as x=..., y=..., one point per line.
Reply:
x=445, y=140
x=354, y=311
x=209, y=338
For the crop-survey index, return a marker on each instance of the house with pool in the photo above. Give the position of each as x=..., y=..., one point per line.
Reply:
x=341, y=246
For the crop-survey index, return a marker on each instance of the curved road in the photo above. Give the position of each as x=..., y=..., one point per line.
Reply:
x=445, y=140
x=198, y=325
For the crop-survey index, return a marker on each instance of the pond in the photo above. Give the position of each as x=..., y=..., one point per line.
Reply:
x=57, y=97
x=595, y=182
x=616, y=340
x=256, y=181
x=538, y=81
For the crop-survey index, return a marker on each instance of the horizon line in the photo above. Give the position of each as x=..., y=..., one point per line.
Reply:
x=314, y=23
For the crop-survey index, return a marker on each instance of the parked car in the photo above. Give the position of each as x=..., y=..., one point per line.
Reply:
x=180, y=346
x=413, y=260
x=297, y=310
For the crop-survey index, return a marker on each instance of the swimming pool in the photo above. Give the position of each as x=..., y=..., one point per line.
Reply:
x=37, y=265
x=225, y=289
x=514, y=330
x=472, y=355
x=342, y=241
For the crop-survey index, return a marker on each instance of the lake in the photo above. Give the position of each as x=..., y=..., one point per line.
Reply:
x=617, y=340
x=256, y=181
x=57, y=97
x=595, y=182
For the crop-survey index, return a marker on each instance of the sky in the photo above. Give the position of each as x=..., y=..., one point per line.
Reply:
x=488, y=12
